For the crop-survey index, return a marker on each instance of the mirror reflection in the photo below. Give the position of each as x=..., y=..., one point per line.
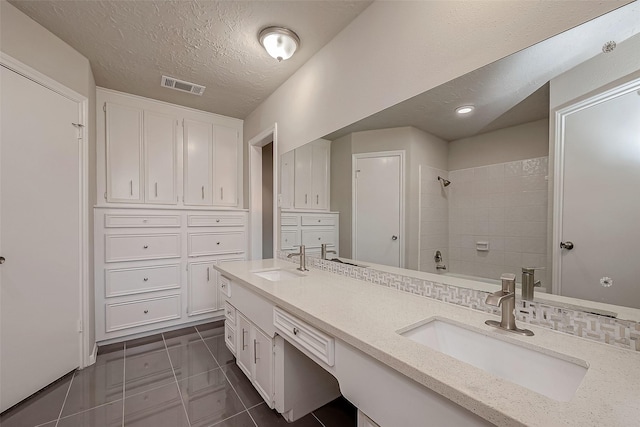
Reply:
x=459, y=181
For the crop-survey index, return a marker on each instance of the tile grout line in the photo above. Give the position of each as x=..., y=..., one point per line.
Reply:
x=124, y=377
x=173, y=371
x=65, y=398
x=317, y=419
x=226, y=377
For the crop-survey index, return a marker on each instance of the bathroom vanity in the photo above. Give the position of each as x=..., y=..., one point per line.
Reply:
x=289, y=329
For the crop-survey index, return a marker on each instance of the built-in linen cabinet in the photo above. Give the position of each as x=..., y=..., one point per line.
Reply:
x=311, y=176
x=203, y=292
x=160, y=149
x=123, y=133
x=287, y=171
x=226, y=156
x=198, y=163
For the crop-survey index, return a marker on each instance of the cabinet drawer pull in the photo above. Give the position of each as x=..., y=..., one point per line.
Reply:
x=146, y=279
x=229, y=337
x=146, y=311
x=243, y=344
x=207, y=274
x=229, y=312
x=217, y=220
x=255, y=352
x=319, y=238
x=295, y=331
x=319, y=220
x=217, y=243
x=145, y=247
x=223, y=286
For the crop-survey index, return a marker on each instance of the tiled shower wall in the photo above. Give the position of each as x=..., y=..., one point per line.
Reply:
x=434, y=214
x=504, y=205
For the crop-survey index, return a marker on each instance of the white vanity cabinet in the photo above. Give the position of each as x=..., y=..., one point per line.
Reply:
x=146, y=278
x=123, y=139
x=311, y=175
x=254, y=355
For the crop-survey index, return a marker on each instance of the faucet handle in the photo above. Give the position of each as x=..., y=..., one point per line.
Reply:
x=531, y=270
x=508, y=282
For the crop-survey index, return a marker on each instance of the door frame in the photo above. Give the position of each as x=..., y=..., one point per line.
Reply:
x=88, y=350
x=254, y=146
x=558, y=169
x=354, y=158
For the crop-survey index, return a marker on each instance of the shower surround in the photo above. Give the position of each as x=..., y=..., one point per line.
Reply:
x=503, y=205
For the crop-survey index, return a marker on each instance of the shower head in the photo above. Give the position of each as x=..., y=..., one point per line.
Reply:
x=445, y=182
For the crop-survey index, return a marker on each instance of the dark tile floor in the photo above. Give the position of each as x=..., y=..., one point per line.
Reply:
x=184, y=378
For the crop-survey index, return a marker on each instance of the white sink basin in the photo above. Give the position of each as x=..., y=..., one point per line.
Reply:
x=277, y=274
x=553, y=375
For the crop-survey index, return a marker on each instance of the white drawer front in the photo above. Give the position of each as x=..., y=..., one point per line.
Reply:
x=230, y=313
x=291, y=220
x=225, y=286
x=230, y=337
x=319, y=220
x=142, y=312
x=316, y=342
x=216, y=243
x=114, y=220
x=129, y=247
x=315, y=238
x=126, y=281
x=215, y=221
x=289, y=239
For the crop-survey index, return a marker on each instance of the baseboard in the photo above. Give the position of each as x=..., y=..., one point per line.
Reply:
x=93, y=355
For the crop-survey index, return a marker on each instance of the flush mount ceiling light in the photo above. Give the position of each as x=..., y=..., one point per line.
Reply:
x=281, y=43
x=465, y=109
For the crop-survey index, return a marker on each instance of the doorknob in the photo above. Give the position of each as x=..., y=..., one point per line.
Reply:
x=566, y=245
x=394, y=237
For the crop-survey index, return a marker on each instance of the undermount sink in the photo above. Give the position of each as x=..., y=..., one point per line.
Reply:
x=277, y=274
x=550, y=374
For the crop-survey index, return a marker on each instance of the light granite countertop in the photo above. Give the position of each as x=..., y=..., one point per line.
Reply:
x=368, y=317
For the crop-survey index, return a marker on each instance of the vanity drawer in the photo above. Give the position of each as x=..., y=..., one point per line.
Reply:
x=215, y=221
x=133, y=247
x=216, y=243
x=225, y=286
x=314, y=238
x=230, y=313
x=127, y=281
x=314, y=341
x=319, y=220
x=289, y=239
x=113, y=220
x=230, y=337
x=288, y=220
x=142, y=312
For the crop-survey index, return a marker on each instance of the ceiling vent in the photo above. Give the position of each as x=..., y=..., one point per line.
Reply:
x=181, y=85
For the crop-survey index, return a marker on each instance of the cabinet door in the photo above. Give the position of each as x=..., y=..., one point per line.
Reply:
x=202, y=289
x=243, y=345
x=303, y=159
x=226, y=157
x=198, y=157
x=263, y=361
x=287, y=168
x=320, y=176
x=124, y=153
x=221, y=296
x=160, y=157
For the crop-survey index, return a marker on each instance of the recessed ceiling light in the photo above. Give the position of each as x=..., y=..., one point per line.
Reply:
x=465, y=109
x=280, y=43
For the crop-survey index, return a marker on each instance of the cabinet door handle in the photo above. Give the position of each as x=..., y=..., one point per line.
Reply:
x=146, y=311
x=305, y=199
x=156, y=189
x=295, y=331
x=207, y=274
x=243, y=344
x=146, y=279
x=131, y=188
x=145, y=247
x=203, y=192
x=217, y=243
x=255, y=352
x=221, y=193
x=317, y=199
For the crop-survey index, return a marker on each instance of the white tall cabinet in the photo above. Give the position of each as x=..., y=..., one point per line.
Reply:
x=169, y=209
x=311, y=176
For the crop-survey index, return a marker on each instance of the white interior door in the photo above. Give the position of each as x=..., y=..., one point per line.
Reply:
x=40, y=237
x=377, y=208
x=601, y=207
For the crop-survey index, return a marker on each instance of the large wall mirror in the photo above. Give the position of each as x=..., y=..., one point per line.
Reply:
x=546, y=154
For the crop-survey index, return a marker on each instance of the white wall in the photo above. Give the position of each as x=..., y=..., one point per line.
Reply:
x=27, y=41
x=340, y=190
x=520, y=142
x=395, y=50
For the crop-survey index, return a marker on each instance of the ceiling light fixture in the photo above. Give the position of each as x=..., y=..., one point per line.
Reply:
x=465, y=109
x=281, y=43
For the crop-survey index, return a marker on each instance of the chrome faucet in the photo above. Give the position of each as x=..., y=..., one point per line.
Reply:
x=324, y=251
x=506, y=299
x=529, y=282
x=303, y=258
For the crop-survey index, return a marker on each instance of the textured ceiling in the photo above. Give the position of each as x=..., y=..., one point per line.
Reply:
x=131, y=44
x=508, y=92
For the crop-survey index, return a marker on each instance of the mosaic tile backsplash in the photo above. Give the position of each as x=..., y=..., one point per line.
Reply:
x=620, y=333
